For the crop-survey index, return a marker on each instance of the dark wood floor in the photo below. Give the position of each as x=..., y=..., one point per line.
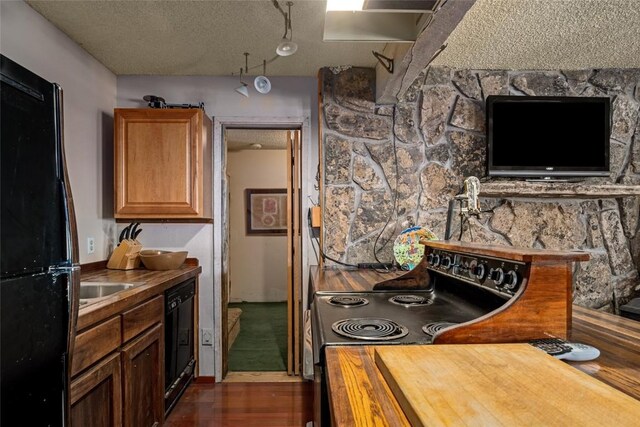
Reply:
x=244, y=404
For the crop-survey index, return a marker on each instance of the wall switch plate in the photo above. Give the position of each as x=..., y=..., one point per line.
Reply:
x=91, y=245
x=207, y=336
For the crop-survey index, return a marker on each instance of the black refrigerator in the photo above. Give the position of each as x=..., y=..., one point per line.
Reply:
x=39, y=275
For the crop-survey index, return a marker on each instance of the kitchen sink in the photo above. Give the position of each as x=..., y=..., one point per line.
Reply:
x=94, y=291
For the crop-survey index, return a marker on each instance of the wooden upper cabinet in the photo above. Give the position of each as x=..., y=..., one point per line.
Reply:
x=163, y=164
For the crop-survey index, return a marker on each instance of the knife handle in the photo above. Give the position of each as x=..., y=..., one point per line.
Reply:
x=122, y=235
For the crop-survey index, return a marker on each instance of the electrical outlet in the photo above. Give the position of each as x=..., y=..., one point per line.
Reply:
x=91, y=245
x=207, y=336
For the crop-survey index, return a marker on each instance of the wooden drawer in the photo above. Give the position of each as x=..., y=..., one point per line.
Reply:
x=95, y=343
x=142, y=317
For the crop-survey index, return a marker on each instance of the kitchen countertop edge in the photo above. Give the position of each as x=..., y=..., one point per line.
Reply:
x=149, y=284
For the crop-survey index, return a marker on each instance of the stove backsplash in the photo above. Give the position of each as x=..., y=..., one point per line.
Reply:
x=439, y=130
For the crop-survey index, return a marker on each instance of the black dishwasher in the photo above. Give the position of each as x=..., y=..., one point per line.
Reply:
x=178, y=340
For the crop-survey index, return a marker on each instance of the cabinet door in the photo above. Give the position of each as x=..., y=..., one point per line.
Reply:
x=143, y=377
x=96, y=395
x=158, y=163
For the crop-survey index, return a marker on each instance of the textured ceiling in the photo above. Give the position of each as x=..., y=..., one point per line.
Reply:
x=546, y=34
x=241, y=139
x=201, y=37
x=208, y=37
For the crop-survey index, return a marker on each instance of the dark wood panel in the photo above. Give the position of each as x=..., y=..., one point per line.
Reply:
x=538, y=310
x=618, y=340
x=142, y=317
x=96, y=396
x=205, y=380
x=143, y=374
x=244, y=404
x=342, y=280
x=95, y=343
x=508, y=252
x=93, y=266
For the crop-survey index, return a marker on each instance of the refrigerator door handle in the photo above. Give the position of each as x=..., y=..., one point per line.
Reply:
x=73, y=283
x=74, y=305
x=73, y=274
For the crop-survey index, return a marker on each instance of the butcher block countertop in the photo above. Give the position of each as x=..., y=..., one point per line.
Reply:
x=498, y=384
x=148, y=283
x=359, y=394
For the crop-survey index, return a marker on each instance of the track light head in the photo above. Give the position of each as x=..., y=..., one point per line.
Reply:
x=286, y=47
x=243, y=90
x=262, y=84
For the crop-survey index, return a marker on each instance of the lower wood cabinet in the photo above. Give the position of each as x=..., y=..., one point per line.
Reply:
x=96, y=395
x=143, y=372
x=118, y=370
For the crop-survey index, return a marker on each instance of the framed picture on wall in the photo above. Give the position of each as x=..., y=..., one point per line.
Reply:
x=266, y=211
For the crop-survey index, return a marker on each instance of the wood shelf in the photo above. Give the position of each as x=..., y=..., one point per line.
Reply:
x=523, y=189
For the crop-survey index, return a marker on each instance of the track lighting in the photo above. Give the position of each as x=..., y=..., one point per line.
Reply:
x=287, y=46
x=262, y=83
x=242, y=89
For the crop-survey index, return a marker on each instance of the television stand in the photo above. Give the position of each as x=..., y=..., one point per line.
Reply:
x=554, y=179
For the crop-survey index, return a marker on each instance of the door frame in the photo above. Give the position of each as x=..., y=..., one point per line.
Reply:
x=219, y=171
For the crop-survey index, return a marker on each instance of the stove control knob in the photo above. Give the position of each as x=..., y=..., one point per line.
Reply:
x=511, y=280
x=478, y=271
x=436, y=260
x=446, y=262
x=430, y=259
x=497, y=275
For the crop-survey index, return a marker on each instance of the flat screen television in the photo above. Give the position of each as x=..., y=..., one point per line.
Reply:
x=541, y=136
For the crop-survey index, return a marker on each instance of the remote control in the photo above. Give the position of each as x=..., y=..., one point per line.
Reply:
x=563, y=350
x=580, y=352
x=552, y=346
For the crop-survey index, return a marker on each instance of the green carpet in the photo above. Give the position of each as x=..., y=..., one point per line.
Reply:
x=262, y=342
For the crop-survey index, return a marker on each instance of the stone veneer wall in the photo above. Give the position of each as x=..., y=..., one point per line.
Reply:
x=437, y=134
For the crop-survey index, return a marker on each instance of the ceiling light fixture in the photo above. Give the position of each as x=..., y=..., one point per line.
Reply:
x=344, y=5
x=287, y=46
x=243, y=89
x=262, y=83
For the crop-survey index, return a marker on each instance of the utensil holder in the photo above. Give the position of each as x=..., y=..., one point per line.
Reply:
x=126, y=256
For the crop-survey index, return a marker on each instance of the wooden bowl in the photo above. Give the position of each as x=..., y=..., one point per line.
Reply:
x=162, y=260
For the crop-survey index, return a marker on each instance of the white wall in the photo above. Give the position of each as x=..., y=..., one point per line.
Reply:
x=289, y=97
x=89, y=98
x=258, y=264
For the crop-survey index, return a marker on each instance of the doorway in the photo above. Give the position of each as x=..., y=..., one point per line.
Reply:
x=259, y=294
x=257, y=308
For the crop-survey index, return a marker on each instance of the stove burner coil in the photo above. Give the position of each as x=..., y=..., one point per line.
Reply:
x=411, y=300
x=433, y=328
x=348, y=301
x=371, y=329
